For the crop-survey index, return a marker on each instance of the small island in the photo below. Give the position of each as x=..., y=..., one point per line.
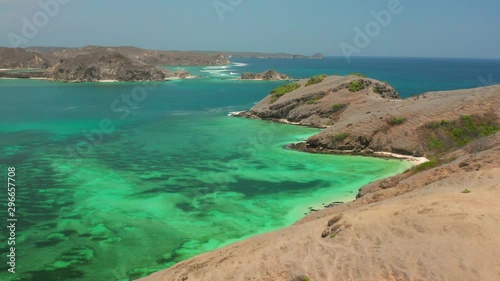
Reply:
x=268, y=75
x=317, y=56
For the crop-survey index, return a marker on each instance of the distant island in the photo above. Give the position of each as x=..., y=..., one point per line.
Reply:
x=257, y=55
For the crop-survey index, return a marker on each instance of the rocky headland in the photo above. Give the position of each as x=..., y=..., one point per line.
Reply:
x=110, y=65
x=94, y=63
x=363, y=115
x=268, y=75
x=437, y=221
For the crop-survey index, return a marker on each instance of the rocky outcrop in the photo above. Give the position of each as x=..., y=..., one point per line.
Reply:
x=317, y=56
x=107, y=64
x=270, y=75
x=363, y=116
x=17, y=58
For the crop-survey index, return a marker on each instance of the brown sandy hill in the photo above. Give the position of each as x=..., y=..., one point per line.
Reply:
x=15, y=58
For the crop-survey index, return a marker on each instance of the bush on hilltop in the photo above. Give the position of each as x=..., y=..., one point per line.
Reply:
x=356, y=86
x=282, y=90
x=316, y=79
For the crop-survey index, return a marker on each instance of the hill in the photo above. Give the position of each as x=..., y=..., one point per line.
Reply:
x=107, y=64
x=20, y=58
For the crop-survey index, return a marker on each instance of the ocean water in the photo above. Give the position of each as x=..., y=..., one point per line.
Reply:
x=170, y=175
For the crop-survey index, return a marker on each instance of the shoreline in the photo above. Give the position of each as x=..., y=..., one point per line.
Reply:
x=414, y=160
x=301, y=146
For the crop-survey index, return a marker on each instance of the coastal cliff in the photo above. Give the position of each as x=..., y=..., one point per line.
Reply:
x=429, y=223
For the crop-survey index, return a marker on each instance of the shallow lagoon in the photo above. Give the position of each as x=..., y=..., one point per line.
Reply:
x=176, y=177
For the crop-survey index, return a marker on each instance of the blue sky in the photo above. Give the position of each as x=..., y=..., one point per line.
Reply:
x=423, y=28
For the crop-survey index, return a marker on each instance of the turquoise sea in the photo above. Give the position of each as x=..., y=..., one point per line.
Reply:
x=110, y=187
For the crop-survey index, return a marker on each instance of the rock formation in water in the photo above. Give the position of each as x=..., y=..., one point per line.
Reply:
x=270, y=75
x=317, y=56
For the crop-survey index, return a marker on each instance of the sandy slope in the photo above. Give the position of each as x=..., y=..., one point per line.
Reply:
x=423, y=228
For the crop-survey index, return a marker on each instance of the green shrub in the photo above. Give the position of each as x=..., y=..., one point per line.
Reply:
x=426, y=166
x=356, y=86
x=300, y=278
x=435, y=143
x=358, y=74
x=338, y=107
x=316, y=79
x=340, y=137
x=396, y=120
x=445, y=135
x=466, y=191
x=282, y=90
x=312, y=101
